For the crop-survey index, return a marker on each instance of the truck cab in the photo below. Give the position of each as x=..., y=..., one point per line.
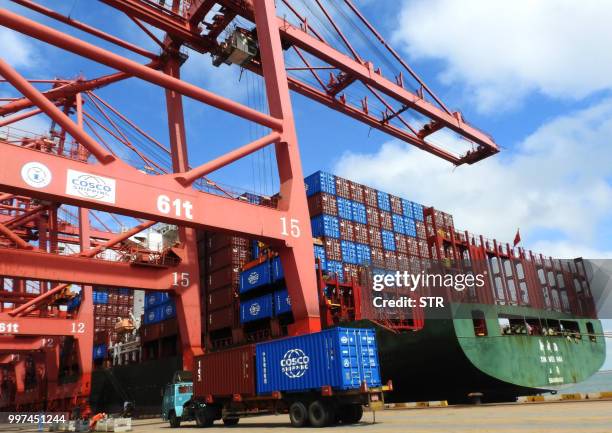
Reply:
x=176, y=395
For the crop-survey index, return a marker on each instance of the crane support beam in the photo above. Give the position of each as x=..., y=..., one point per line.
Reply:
x=163, y=199
x=81, y=270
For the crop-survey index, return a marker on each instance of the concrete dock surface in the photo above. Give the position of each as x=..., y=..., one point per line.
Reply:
x=550, y=417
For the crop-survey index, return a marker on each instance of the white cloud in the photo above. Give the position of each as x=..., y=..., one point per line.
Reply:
x=501, y=50
x=224, y=80
x=16, y=49
x=554, y=180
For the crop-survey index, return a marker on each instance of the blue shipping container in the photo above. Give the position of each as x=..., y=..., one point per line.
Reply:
x=345, y=208
x=153, y=315
x=99, y=351
x=100, y=297
x=168, y=310
x=349, y=253
x=336, y=268
x=388, y=240
x=254, y=249
x=417, y=211
x=410, y=226
x=384, y=202
x=155, y=298
x=342, y=358
x=320, y=182
x=363, y=254
x=359, y=213
x=398, y=223
x=325, y=226
x=255, y=309
x=255, y=277
x=277, y=269
x=282, y=302
x=407, y=206
x=319, y=253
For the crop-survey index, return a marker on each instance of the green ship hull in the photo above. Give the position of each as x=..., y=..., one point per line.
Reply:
x=446, y=360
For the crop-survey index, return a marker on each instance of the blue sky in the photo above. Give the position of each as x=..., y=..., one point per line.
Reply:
x=536, y=76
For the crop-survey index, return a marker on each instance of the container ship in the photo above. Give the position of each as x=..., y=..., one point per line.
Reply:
x=530, y=327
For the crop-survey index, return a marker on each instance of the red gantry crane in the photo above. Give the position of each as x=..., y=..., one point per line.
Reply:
x=54, y=186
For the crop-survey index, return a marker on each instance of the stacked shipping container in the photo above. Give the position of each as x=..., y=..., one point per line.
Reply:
x=361, y=226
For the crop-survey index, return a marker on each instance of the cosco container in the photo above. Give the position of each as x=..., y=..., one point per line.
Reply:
x=342, y=358
x=153, y=315
x=257, y=276
x=99, y=351
x=168, y=310
x=383, y=201
x=256, y=309
x=320, y=182
x=282, y=302
x=156, y=298
x=277, y=269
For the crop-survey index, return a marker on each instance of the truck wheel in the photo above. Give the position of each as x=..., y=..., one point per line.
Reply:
x=319, y=414
x=298, y=414
x=175, y=421
x=230, y=421
x=351, y=414
x=203, y=419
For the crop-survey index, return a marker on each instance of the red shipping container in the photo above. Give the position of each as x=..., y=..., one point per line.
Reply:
x=343, y=188
x=351, y=271
x=229, y=256
x=357, y=192
x=401, y=245
x=219, y=319
x=322, y=203
x=168, y=328
x=347, y=230
x=220, y=298
x=420, y=229
x=390, y=260
x=211, y=373
x=378, y=257
x=373, y=219
x=413, y=246
x=216, y=241
x=229, y=276
x=361, y=233
x=396, y=205
x=375, y=237
x=150, y=332
x=403, y=262
x=423, y=248
x=371, y=196
x=386, y=222
x=332, y=249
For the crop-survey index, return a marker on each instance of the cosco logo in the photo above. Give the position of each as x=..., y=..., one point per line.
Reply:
x=255, y=309
x=152, y=316
x=294, y=363
x=253, y=277
x=344, y=339
x=91, y=186
x=169, y=310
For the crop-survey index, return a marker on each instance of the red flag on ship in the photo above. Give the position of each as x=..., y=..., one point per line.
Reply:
x=517, y=237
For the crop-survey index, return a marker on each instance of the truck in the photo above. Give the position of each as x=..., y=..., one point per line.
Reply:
x=318, y=379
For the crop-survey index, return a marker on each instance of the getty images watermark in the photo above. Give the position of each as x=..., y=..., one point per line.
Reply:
x=412, y=282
